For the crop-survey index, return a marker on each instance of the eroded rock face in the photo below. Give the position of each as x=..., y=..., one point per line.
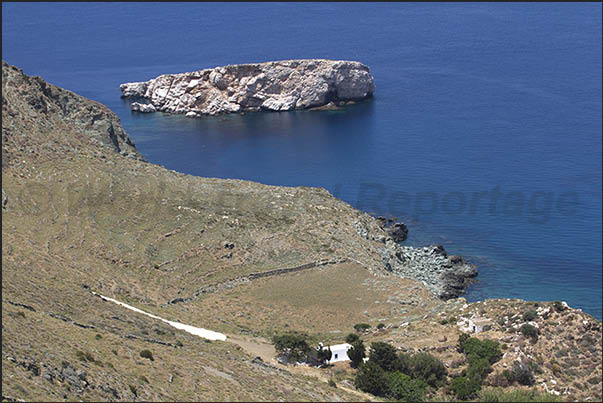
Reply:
x=275, y=86
x=63, y=121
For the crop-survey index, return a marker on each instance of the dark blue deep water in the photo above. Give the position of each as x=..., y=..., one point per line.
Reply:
x=484, y=134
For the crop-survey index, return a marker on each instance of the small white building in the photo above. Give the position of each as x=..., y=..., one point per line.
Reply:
x=478, y=325
x=339, y=352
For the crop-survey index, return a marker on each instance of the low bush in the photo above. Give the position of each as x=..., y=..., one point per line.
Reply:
x=147, y=354
x=529, y=331
x=495, y=395
x=522, y=374
x=529, y=315
x=380, y=326
x=332, y=383
x=362, y=327
x=559, y=306
x=351, y=338
x=478, y=369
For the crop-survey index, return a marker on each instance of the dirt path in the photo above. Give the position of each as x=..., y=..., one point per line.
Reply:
x=255, y=346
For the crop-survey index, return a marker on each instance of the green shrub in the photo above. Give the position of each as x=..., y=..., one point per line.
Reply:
x=478, y=369
x=529, y=331
x=133, y=389
x=495, y=395
x=98, y=337
x=444, y=322
x=488, y=349
x=147, y=354
x=462, y=339
x=529, y=315
x=323, y=355
x=403, y=388
x=559, y=307
x=426, y=367
x=179, y=343
x=362, y=327
x=351, y=338
x=332, y=383
x=384, y=355
x=380, y=326
x=522, y=374
x=509, y=375
x=371, y=378
x=464, y=388
x=293, y=346
x=356, y=353
x=535, y=368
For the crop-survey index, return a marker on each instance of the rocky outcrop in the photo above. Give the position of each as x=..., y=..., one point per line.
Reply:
x=445, y=276
x=63, y=122
x=274, y=86
x=398, y=232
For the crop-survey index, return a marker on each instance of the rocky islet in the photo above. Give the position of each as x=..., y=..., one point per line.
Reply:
x=271, y=86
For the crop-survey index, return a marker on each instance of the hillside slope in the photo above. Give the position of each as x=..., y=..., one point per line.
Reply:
x=82, y=212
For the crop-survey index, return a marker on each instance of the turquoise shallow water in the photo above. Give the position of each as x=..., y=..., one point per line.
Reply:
x=484, y=134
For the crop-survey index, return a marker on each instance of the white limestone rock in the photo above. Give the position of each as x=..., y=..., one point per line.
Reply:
x=274, y=86
x=144, y=108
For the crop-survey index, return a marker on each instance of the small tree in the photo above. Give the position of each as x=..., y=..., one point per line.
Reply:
x=488, y=349
x=356, y=353
x=464, y=388
x=293, y=346
x=403, y=388
x=372, y=379
x=351, y=338
x=324, y=355
x=384, y=355
x=460, y=347
x=428, y=368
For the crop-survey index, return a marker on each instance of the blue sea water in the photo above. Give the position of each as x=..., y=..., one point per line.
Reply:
x=484, y=134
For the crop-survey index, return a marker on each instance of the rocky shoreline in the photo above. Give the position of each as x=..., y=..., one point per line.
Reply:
x=445, y=276
x=272, y=86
